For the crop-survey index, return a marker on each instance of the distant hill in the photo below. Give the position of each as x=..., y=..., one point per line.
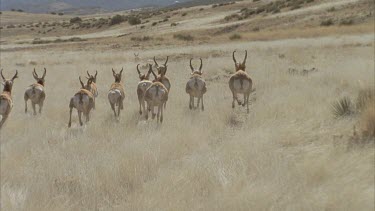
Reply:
x=45, y=6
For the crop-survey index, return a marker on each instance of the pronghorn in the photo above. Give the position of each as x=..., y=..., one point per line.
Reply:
x=240, y=83
x=136, y=57
x=83, y=101
x=196, y=86
x=35, y=92
x=143, y=85
x=156, y=95
x=6, y=102
x=116, y=94
x=94, y=88
x=162, y=70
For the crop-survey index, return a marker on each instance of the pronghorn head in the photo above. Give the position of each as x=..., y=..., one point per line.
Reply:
x=88, y=85
x=117, y=76
x=162, y=69
x=39, y=80
x=156, y=78
x=136, y=57
x=142, y=76
x=92, y=77
x=8, y=83
x=240, y=66
x=196, y=71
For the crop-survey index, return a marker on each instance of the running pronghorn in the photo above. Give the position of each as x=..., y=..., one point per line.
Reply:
x=196, y=86
x=156, y=95
x=6, y=102
x=162, y=70
x=94, y=88
x=143, y=85
x=83, y=101
x=240, y=83
x=116, y=94
x=35, y=92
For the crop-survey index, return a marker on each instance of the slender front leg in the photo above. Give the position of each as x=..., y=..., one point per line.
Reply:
x=234, y=99
x=244, y=100
x=161, y=117
x=247, y=102
x=113, y=108
x=140, y=106
x=25, y=105
x=199, y=100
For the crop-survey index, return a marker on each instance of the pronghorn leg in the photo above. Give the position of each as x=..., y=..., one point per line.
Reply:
x=26, y=99
x=159, y=110
x=161, y=115
x=140, y=106
x=87, y=115
x=4, y=118
x=119, y=108
x=165, y=104
x=70, y=117
x=33, y=104
x=202, y=103
x=153, y=111
x=144, y=106
x=199, y=101
x=247, y=102
x=40, y=107
x=190, y=102
x=113, y=108
x=244, y=100
x=93, y=107
x=234, y=99
x=80, y=117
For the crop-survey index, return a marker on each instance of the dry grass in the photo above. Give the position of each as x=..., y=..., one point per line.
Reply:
x=281, y=156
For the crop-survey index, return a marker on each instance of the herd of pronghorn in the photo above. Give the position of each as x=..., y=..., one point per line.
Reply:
x=151, y=93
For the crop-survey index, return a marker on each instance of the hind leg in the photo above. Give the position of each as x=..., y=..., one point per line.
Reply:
x=190, y=102
x=119, y=108
x=199, y=101
x=33, y=104
x=113, y=109
x=26, y=99
x=70, y=117
x=202, y=103
x=161, y=114
x=4, y=118
x=244, y=99
x=234, y=99
x=247, y=102
x=159, y=110
x=41, y=107
x=80, y=117
x=140, y=106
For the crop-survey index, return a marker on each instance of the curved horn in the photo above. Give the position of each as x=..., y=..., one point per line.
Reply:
x=121, y=70
x=15, y=75
x=200, y=68
x=113, y=71
x=234, y=57
x=156, y=61
x=139, y=72
x=244, y=61
x=166, y=61
x=88, y=73
x=1, y=73
x=45, y=72
x=96, y=73
x=35, y=75
x=153, y=73
x=191, y=65
x=83, y=86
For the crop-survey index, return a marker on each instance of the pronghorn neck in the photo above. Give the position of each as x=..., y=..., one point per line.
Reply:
x=41, y=82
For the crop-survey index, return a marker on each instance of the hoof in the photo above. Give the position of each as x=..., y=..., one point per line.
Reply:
x=239, y=103
x=140, y=112
x=69, y=125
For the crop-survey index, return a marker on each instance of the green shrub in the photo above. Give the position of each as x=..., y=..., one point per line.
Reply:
x=185, y=37
x=328, y=22
x=133, y=20
x=76, y=20
x=117, y=19
x=235, y=37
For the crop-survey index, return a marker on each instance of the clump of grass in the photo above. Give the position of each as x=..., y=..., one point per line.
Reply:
x=185, y=37
x=343, y=107
x=235, y=37
x=328, y=22
x=347, y=22
x=76, y=20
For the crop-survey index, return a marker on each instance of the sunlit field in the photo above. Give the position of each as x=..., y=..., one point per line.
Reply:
x=289, y=153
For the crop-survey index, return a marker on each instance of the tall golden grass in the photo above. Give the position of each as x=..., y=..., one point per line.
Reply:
x=282, y=156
